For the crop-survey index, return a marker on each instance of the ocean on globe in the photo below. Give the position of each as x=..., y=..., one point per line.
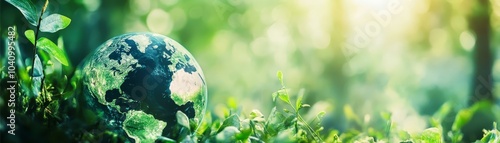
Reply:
x=136, y=83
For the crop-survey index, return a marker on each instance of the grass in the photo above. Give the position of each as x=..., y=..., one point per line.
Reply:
x=285, y=124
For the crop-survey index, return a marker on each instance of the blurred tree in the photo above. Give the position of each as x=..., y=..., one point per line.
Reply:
x=482, y=82
x=338, y=63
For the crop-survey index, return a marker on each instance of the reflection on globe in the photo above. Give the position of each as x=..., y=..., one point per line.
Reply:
x=135, y=83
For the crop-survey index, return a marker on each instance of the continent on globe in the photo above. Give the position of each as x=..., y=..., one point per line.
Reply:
x=135, y=83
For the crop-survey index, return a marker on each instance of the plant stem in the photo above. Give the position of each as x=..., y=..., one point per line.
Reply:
x=299, y=118
x=36, y=37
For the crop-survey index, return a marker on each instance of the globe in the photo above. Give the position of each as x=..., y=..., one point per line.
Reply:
x=136, y=83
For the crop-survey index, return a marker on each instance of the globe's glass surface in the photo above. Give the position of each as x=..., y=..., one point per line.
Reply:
x=135, y=83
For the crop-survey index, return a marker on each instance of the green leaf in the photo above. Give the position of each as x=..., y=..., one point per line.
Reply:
x=462, y=118
x=351, y=115
x=305, y=106
x=275, y=94
x=298, y=103
x=275, y=123
x=163, y=139
x=439, y=116
x=228, y=134
x=30, y=35
x=280, y=77
x=204, y=126
x=386, y=116
x=51, y=48
x=37, y=76
x=431, y=135
x=232, y=103
x=232, y=120
x=286, y=136
x=246, y=130
x=182, y=119
x=320, y=115
x=60, y=42
x=54, y=23
x=27, y=8
x=194, y=124
x=283, y=95
x=257, y=116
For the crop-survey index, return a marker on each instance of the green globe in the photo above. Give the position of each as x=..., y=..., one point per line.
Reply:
x=136, y=83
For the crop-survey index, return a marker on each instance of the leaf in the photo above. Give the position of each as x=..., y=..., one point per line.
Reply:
x=286, y=136
x=351, y=115
x=37, y=76
x=30, y=35
x=165, y=140
x=275, y=94
x=232, y=120
x=256, y=116
x=245, y=129
x=54, y=23
x=27, y=8
x=204, y=126
x=305, y=106
x=280, y=77
x=182, y=119
x=439, y=116
x=275, y=122
x=462, y=118
x=320, y=115
x=298, y=103
x=283, y=95
x=228, y=134
x=60, y=42
x=194, y=124
x=232, y=103
x=386, y=116
x=431, y=135
x=51, y=48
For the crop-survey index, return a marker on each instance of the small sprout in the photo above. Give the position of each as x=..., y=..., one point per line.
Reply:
x=283, y=95
x=280, y=77
x=182, y=119
x=298, y=103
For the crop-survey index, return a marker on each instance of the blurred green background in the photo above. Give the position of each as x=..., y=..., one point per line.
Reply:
x=407, y=57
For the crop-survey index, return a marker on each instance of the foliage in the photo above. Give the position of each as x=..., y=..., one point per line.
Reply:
x=48, y=91
x=43, y=81
x=283, y=125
